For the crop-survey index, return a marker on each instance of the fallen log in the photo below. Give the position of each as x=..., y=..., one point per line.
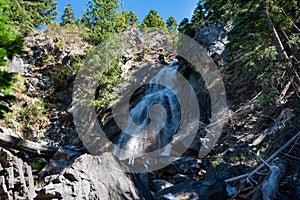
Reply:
x=26, y=146
x=248, y=175
x=284, y=117
x=270, y=184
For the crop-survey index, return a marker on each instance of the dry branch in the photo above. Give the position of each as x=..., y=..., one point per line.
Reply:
x=285, y=116
x=268, y=160
x=275, y=36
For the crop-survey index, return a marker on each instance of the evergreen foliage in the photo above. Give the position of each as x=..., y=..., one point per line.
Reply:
x=68, y=17
x=122, y=21
x=152, y=19
x=172, y=23
x=11, y=43
x=198, y=15
x=102, y=20
x=132, y=19
x=25, y=15
x=186, y=27
x=266, y=34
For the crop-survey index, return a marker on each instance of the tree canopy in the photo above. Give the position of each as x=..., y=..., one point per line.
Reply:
x=265, y=34
x=102, y=20
x=186, y=27
x=172, y=23
x=133, y=20
x=152, y=19
x=25, y=15
x=198, y=15
x=68, y=17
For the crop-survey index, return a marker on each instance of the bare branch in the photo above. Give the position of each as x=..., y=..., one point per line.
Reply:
x=268, y=160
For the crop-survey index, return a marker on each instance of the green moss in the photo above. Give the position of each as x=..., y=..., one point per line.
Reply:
x=37, y=165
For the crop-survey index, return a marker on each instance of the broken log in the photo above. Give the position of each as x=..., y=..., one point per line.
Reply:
x=26, y=146
x=270, y=185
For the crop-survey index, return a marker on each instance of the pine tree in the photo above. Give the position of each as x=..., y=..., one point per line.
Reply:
x=11, y=43
x=198, y=15
x=121, y=21
x=101, y=20
x=30, y=14
x=153, y=20
x=185, y=27
x=68, y=17
x=172, y=23
x=132, y=19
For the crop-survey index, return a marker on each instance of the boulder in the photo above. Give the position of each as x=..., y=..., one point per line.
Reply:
x=91, y=177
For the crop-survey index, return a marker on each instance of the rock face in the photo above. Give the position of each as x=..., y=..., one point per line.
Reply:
x=213, y=37
x=91, y=177
x=16, y=180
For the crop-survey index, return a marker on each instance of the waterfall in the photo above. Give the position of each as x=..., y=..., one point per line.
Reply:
x=139, y=140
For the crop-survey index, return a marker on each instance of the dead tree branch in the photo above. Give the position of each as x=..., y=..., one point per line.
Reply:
x=268, y=160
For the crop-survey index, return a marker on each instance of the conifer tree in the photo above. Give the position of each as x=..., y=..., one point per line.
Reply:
x=25, y=15
x=198, y=15
x=68, y=17
x=264, y=34
x=152, y=19
x=132, y=19
x=101, y=20
x=172, y=23
x=185, y=27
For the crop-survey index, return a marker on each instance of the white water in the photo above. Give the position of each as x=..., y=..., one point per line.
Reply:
x=140, y=139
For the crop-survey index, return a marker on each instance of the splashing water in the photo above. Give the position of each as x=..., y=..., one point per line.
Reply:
x=141, y=140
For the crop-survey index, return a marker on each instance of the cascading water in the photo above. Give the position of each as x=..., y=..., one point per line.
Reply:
x=137, y=142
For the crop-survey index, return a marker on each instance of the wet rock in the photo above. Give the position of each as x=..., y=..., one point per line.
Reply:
x=91, y=177
x=178, y=178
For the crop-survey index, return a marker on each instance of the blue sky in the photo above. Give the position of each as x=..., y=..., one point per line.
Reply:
x=166, y=8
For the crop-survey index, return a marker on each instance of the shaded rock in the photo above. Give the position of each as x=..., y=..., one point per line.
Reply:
x=91, y=177
x=183, y=165
x=180, y=178
x=16, y=180
x=62, y=158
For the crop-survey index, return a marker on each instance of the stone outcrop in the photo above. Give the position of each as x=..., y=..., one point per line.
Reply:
x=213, y=37
x=90, y=177
x=16, y=180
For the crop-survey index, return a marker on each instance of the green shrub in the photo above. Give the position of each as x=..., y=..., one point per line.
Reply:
x=266, y=99
x=107, y=81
